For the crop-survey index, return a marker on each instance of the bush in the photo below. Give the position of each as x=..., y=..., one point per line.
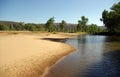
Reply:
x=30, y=27
x=3, y=27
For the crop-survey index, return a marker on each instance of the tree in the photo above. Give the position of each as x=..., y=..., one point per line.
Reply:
x=79, y=26
x=4, y=27
x=21, y=25
x=116, y=7
x=62, y=25
x=40, y=27
x=30, y=27
x=111, y=18
x=93, y=28
x=50, y=25
x=82, y=23
x=11, y=27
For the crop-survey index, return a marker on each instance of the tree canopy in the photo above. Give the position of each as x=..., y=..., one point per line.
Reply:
x=62, y=25
x=50, y=25
x=82, y=24
x=111, y=18
x=4, y=27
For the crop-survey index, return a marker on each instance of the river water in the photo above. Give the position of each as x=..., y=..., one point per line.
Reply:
x=96, y=56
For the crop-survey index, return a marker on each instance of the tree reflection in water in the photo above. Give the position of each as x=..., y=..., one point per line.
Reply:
x=108, y=67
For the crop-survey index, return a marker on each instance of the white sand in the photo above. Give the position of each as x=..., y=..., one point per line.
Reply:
x=23, y=55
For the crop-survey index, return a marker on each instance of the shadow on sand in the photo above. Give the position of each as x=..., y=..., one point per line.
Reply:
x=56, y=39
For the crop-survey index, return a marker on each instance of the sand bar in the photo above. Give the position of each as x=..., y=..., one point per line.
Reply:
x=27, y=55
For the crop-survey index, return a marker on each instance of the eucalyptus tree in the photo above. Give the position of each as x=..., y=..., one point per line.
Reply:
x=50, y=27
x=111, y=18
x=79, y=26
x=62, y=25
x=82, y=24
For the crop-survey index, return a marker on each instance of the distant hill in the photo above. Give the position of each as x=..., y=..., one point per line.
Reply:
x=9, y=23
x=70, y=27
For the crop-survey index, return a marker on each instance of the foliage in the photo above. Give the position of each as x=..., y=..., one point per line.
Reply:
x=40, y=27
x=111, y=18
x=50, y=27
x=82, y=24
x=30, y=27
x=3, y=27
x=62, y=25
x=79, y=26
x=11, y=27
x=93, y=28
x=21, y=26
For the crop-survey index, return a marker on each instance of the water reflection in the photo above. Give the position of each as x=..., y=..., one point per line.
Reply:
x=108, y=67
x=112, y=39
x=91, y=57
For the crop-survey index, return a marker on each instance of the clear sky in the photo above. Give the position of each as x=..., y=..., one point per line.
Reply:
x=39, y=11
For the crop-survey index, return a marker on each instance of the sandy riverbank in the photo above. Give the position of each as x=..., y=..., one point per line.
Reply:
x=27, y=55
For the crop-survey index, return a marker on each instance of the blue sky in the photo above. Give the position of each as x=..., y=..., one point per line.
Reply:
x=39, y=11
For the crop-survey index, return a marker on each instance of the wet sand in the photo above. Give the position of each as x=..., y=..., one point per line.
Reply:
x=28, y=55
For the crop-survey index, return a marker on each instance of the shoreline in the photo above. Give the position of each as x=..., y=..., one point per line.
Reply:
x=48, y=68
x=31, y=62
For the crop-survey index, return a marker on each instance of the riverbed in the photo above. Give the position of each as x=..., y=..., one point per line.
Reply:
x=96, y=56
x=27, y=54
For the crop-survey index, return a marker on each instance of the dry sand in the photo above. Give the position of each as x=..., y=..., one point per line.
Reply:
x=27, y=55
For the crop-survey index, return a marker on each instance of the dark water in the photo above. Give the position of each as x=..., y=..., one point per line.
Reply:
x=96, y=56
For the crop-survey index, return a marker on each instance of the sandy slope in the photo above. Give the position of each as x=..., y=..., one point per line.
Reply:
x=23, y=55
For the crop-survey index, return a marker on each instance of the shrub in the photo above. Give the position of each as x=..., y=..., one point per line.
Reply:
x=3, y=27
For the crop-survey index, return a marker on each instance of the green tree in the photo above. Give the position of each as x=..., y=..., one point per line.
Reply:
x=62, y=25
x=4, y=27
x=30, y=27
x=111, y=18
x=40, y=27
x=12, y=27
x=83, y=23
x=93, y=28
x=50, y=27
x=21, y=26
x=79, y=26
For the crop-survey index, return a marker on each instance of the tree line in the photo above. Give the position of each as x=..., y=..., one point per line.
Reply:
x=51, y=26
x=111, y=20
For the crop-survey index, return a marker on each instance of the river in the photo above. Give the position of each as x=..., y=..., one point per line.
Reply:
x=96, y=56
